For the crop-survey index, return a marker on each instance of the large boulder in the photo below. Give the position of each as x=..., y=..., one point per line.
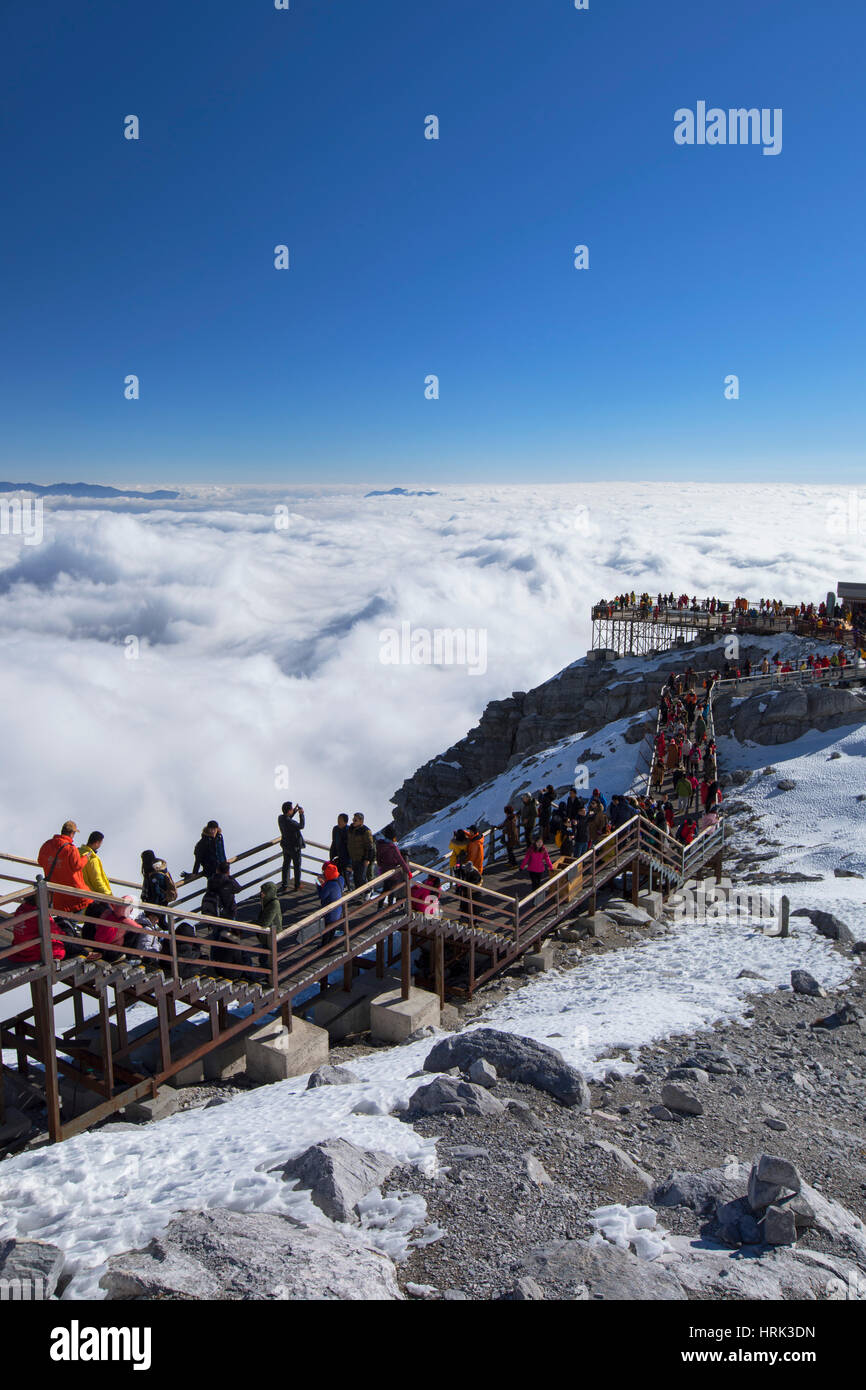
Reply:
x=827, y=925
x=516, y=1059
x=804, y=983
x=678, y=1099
x=219, y=1254
x=338, y=1174
x=331, y=1076
x=448, y=1095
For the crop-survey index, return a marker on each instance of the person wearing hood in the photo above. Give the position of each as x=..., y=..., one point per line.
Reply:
x=270, y=918
x=470, y=878
x=475, y=848
x=270, y=914
x=390, y=856
x=210, y=851
x=118, y=927
x=596, y=826
x=61, y=862
x=458, y=844
x=620, y=811
x=510, y=834
x=686, y=832
x=330, y=888
x=157, y=885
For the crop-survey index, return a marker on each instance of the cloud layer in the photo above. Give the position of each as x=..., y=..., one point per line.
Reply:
x=259, y=646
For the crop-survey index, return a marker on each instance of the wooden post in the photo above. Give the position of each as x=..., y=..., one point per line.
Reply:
x=162, y=1019
x=439, y=966
x=120, y=1016
x=105, y=1035
x=380, y=960
x=172, y=938
x=42, y=993
x=635, y=880
x=43, y=1011
x=784, y=915
x=405, y=961
x=471, y=967
x=286, y=1014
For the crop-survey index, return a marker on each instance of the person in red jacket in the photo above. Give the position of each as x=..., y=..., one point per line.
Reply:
x=25, y=928
x=117, y=927
x=425, y=896
x=61, y=862
x=686, y=832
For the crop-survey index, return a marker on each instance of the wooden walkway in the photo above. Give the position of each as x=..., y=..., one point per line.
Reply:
x=479, y=931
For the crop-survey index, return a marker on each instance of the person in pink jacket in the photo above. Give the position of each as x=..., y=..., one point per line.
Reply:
x=536, y=862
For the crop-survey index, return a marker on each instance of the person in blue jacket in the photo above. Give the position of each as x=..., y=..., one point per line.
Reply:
x=330, y=888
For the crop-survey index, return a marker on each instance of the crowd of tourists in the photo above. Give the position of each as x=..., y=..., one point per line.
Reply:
x=808, y=619
x=100, y=929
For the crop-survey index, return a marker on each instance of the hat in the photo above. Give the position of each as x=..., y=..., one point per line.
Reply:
x=331, y=871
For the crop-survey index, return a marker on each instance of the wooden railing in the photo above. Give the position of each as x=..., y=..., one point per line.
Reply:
x=272, y=959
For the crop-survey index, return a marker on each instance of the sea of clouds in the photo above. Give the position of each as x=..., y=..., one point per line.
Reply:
x=258, y=617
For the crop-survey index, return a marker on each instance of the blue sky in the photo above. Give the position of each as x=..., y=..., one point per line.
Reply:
x=412, y=257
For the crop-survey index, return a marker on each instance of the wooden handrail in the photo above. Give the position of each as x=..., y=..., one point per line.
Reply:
x=453, y=878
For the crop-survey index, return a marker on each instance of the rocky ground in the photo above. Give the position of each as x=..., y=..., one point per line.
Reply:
x=531, y=1176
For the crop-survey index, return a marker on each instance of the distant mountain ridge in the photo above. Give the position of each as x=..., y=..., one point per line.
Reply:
x=401, y=492
x=84, y=490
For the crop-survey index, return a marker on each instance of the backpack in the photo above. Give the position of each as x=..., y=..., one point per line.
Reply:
x=210, y=904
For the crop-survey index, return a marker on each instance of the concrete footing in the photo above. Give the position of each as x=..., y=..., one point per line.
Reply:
x=227, y=1060
x=540, y=960
x=651, y=902
x=393, y=1018
x=154, y=1107
x=343, y=1012
x=275, y=1054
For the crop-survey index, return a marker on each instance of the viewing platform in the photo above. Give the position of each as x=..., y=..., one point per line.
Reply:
x=642, y=629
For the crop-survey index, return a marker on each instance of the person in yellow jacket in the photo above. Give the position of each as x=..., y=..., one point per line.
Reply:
x=93, y=873
x=459, y=843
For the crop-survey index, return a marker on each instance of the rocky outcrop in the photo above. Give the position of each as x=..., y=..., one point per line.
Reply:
x=779, y=716
x=338, y=1174
x=235, y=1255
x=448, y=1095
x=515, y=1058
x=581, y=699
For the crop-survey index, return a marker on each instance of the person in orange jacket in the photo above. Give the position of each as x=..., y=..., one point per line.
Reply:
x=62, y=862
x=475, y=847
